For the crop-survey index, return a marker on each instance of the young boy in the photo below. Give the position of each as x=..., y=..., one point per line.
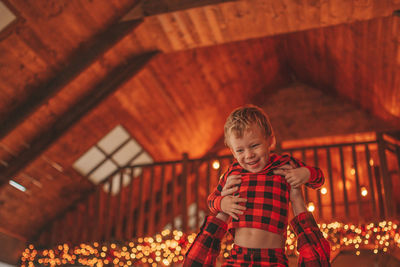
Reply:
x=262, y=226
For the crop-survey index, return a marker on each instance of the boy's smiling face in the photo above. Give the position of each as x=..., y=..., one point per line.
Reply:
x=252, y=149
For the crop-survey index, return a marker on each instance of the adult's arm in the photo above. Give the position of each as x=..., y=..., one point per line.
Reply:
x=313, y=248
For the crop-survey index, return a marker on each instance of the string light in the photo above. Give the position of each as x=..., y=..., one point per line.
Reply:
x=364, y=191
x=169, y=247
x=310, y=207
x=216, y=164
x=324, y=190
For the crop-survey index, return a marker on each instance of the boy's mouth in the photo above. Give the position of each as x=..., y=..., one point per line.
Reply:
x=252, y=163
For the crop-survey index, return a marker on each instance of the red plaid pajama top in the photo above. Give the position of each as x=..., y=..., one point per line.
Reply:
x=267, y=195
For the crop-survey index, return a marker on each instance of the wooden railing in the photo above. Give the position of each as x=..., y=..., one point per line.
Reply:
x=173, y=194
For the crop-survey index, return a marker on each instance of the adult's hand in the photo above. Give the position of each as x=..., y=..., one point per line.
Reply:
x=232, y=185
x=294, y=176
x=231, y=204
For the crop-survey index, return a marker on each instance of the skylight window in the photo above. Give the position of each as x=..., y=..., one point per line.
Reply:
x=116, y=149
x=6, y=16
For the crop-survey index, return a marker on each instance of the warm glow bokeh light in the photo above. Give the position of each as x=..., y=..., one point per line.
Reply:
x=364, y=191
x=310, y=207
x=216, y=164
x=169, y=247
x=324, y=191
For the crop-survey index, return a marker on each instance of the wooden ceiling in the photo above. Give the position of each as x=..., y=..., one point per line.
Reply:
x=170, y=72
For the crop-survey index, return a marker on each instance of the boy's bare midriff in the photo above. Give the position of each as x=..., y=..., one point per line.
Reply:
x=257, y=238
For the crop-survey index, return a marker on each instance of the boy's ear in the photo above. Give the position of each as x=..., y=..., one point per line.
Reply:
x=272, y=141
x=232, y=152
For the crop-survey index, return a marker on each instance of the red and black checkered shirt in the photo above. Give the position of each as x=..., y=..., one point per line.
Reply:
x=267, y=195
x=207, y=244
x=313, y=248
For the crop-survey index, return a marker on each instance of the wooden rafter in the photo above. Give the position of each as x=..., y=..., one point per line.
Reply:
x=156, y=7
x=99, y=92
x=88, y=53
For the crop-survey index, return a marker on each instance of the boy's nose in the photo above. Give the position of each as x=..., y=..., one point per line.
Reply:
x=249, y=154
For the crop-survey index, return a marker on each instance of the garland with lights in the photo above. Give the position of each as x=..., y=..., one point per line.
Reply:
x=169, y=247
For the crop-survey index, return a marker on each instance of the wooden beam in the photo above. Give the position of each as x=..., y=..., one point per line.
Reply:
x=11, y=234
x=95, y=96
x=88, y=53
x=187, y=24
x=156, y=7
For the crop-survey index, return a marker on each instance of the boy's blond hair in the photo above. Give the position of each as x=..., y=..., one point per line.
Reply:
x=241, y=120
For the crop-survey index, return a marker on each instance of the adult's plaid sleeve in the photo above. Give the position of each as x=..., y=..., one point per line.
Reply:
x=314, y=249
x=207, y=244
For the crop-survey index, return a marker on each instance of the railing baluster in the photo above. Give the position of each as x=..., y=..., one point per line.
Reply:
x=119, y=209
x=54, y=231
x=371, y=183
x=140, y=219
x=86, y=210
x=316, y=164
x=185, y=191
x=343, y=176
x=151, y=227
x=173, y=197
x=108, y=215
x=98, y=229
x=91, y=213
x=358, y=190
x=304, y=159
x=329, y=162
x=197, y=199
x=129, y=221
x=163, y=199
x=78, y=224
x=377, y=173
x=208, y=178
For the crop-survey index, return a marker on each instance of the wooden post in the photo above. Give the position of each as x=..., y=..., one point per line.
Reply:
x=329, y=161
x=386, y=179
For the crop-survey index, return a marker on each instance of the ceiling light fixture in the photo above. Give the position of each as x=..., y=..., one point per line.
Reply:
x=17, y=185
